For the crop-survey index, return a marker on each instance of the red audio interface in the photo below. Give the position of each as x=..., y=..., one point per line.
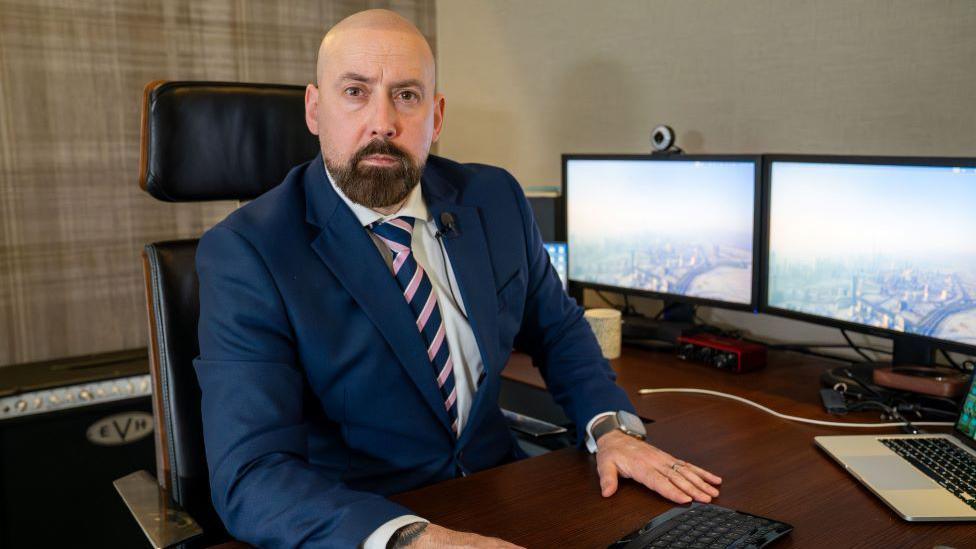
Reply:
x=724, y=353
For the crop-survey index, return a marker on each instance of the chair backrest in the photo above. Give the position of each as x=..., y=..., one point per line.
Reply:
x=173, y=304
x=202, y=141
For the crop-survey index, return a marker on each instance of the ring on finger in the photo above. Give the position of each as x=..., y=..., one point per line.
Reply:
x=675, y=465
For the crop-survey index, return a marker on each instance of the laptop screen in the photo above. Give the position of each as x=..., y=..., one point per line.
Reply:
x=966, y=424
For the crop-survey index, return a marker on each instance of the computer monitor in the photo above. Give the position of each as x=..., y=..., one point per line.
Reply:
x=879, y=245
x=548, y=211
x=677, y=227
x=557, y=256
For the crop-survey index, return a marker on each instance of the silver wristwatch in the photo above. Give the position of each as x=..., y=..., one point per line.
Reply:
x=620, y=421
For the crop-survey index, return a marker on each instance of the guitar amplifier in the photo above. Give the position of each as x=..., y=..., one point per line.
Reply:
x=69, y=428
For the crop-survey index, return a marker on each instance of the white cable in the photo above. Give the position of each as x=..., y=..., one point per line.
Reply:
x=791, y=418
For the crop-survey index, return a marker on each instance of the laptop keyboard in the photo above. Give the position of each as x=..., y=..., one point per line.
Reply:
x=703, y=526
x=949, y=465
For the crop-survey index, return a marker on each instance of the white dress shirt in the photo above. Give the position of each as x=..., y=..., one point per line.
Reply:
x=427, y=250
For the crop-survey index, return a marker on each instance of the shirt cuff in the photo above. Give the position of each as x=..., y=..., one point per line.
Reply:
x=590, y=442
x=381, y=536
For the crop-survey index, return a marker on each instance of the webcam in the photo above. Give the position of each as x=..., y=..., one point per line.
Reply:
x=662, y=140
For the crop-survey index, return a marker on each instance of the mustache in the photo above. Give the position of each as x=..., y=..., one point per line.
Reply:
x=377, y=186
x=379, y=146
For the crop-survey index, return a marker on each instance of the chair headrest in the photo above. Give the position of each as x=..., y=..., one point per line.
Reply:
x=221, y=140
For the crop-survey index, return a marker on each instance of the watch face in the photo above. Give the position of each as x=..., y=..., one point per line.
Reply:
x=631, y=423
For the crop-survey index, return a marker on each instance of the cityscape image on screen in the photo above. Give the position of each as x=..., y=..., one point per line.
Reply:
x=682, y=227
x=887, y=246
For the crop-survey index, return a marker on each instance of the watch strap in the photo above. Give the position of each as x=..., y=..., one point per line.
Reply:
x=604, y=425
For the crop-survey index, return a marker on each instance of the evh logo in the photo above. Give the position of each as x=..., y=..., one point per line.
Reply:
x=120, y=429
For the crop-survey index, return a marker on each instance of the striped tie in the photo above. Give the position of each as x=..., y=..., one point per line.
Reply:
x=419, y=293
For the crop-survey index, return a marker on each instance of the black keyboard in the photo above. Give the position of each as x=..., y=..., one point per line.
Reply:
x=944, y=462
x=705, y=526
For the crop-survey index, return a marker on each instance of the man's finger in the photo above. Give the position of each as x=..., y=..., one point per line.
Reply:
x=685, y=467
x=687, y=487
x=661, y=484
x=709, y=477
x=608, y=477
x=692, y=476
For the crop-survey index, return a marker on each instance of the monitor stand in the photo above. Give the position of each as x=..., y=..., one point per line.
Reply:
x=676, y=318
x=913, y=369
x=912, y=351
x=906, y=352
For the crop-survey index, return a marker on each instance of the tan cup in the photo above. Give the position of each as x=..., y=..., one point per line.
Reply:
x=605, y=324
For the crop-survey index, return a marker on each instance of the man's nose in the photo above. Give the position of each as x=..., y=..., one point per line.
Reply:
x=384, y=123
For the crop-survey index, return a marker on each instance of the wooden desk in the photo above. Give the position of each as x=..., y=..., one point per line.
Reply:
x=769, y=466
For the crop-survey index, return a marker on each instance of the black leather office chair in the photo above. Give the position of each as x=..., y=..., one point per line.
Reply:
x=200, y=141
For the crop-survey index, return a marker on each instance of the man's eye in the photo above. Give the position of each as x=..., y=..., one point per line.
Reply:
x=408, y=96
x=353, y=92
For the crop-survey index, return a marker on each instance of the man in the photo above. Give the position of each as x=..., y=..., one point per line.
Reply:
x=354, y=321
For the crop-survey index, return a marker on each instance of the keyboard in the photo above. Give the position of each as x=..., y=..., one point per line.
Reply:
x=944, y=462
x=705, y=526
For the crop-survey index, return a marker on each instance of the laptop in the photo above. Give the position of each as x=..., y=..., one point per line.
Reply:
x=924, y=477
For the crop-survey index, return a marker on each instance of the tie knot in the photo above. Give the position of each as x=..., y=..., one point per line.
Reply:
x=395, y=232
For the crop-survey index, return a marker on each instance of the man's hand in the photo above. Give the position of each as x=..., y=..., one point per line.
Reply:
x=435, y=536
x=624, y=455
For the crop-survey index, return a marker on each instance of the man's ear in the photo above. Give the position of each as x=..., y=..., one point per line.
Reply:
x=312, y=108
x=438, y=116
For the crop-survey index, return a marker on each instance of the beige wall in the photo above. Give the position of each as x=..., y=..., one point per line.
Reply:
x=72, y=218
x=529, y=80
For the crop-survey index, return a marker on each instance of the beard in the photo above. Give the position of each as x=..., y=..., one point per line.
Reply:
x=376, y=186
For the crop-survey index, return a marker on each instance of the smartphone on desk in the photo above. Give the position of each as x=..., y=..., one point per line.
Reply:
x=530, y=425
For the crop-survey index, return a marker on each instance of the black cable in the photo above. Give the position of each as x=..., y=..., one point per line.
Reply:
x=850, y=375
x=952, y=362
x=813, y=345
x=628, y=309
x=664, y=309
x=803, y=348
x=908, y=427
x=795, y=347
x=865, y=404
x=804, y=351
x=734, y=334
x=864, y=355
x=938, y=412
x=890, y=412
x=608, y=302
x=447, y=278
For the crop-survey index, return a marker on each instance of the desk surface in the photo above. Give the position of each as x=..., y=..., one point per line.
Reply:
x=770, y=467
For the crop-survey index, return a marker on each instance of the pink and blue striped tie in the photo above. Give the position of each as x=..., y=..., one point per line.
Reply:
x=420, y=295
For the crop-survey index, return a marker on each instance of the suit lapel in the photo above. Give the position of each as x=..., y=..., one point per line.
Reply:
x=471, y=262
x=350, y=254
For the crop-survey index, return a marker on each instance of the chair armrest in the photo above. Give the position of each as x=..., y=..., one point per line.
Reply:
x=163, y=521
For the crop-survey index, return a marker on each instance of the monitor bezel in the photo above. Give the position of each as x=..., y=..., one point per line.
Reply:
x=766, y=308
x=755, y=159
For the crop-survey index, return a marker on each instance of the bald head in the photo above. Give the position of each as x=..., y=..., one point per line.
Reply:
x=374, y=107
x=376, y=32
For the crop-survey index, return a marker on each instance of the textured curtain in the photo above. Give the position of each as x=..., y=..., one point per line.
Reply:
x=72, y=217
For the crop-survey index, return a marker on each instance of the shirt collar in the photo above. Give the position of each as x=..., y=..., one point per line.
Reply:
x=414, y=206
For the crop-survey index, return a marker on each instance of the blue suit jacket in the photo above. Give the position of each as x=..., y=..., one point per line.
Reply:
x=318, y=396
